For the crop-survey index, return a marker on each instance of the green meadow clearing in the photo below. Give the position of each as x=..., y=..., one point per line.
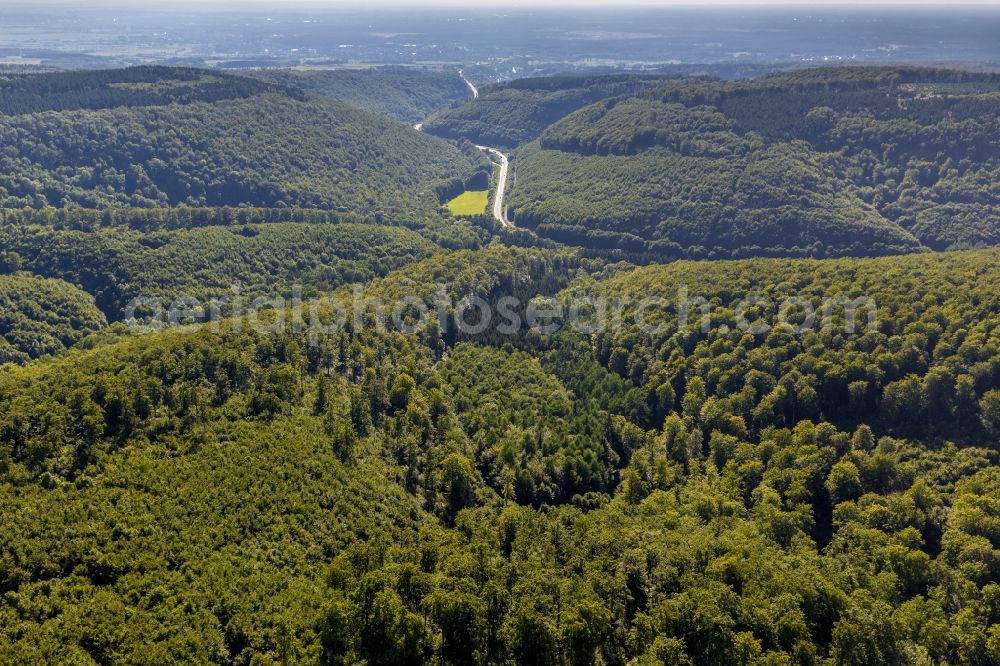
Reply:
x=469, y=203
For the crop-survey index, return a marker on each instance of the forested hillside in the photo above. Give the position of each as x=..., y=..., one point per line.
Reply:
x=162, y=137
x=215, y=254
x=40, y=316
x=686, y=494
x=821, y=162
x=757, y=462
x=407, y=94
x=135, y=86
x=117, y=266
x=159, y=183
x=516, y=112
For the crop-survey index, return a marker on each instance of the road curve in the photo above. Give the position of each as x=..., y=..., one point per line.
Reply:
x=499, y=210
x=474, y=89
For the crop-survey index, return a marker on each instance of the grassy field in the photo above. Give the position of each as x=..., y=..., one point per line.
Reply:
x=469, y=203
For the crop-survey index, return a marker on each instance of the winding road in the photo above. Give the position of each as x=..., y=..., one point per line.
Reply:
x=474, y=89
x=499, y=210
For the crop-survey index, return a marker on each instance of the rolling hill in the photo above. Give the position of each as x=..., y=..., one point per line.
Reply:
x=238, y=497
x=118, y=265
x=154, y=137
x=41, y=316
x=830, y=162
x=754, y=461
x=516, y=112
x=407, y=94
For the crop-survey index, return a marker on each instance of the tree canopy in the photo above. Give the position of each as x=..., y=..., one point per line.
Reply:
x=683, y=496
x=828, y=162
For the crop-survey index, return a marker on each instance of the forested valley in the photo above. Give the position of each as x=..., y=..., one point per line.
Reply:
x=516, y=112
x=155, y=137
x=828, y=162
x=407, y=94
x=670, y=489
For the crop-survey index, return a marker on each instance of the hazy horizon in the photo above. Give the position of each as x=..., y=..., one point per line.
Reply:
x=506, y=42
x=501, y=4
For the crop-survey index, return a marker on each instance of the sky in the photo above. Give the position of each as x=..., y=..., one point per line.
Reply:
x=166, y=5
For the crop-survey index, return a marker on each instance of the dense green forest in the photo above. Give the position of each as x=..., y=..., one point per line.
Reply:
x=684, y=496
x=821, y=162
x=512, y=113
x=408, y=94
x=250, y=143
x=762, y=461
x=41, y=316
x=117, y=266
x=776, y=200
x=131, y=87
x=121, y=254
